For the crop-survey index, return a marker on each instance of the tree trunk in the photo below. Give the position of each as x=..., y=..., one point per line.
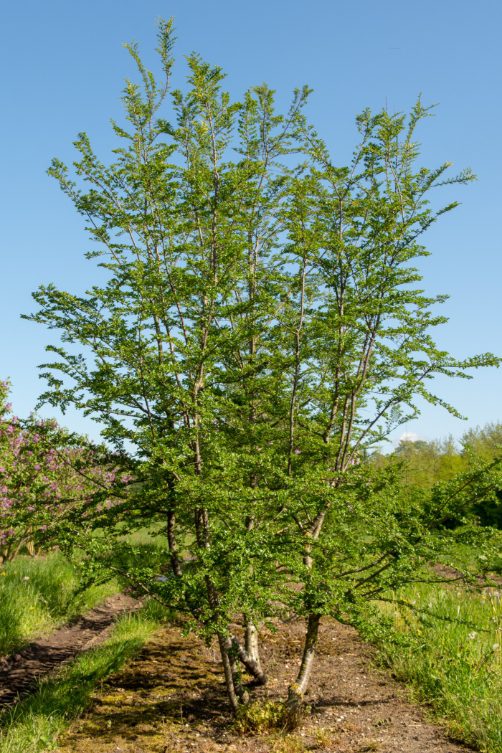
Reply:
x=171, y=541
x=297, y=690
x=252, y=646
x=251, y=664
x=229, y=671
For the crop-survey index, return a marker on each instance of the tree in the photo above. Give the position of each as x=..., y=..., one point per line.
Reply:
x=259, y=329
x=45, y=472
x=424, y=465
x=478, y=445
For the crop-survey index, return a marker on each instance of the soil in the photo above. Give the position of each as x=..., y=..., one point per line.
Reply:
x=19, y=672
x=171, y=699
x=489, y=582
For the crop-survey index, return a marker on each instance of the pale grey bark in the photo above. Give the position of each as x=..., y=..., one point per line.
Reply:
x=251, y=641
x=251, y=662
x=297, y=690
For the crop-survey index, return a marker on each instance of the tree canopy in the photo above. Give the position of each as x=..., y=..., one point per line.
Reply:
x=261, y=325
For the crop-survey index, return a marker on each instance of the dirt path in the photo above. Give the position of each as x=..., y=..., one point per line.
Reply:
x=19, y=672
x=171, y=699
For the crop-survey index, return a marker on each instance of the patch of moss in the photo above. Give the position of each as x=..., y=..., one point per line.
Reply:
x=259, y=717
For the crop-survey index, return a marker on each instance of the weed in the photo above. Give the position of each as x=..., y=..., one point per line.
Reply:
x=260, y=716
x=369, y=745
x=323, y=738
x=288, y=744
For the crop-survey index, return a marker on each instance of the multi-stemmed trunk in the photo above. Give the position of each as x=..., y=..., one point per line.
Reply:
x=231, y=650
x=249, y=654
x=233, y=654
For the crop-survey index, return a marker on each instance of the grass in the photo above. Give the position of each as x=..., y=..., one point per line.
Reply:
x=39, y=593
x=35, y=724
x=487, y=558
x=453, y=662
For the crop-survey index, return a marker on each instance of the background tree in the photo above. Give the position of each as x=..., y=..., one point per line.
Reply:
x=48, y=475
x=428, y=464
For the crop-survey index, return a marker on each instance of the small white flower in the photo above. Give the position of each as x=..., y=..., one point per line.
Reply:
x=472, y=635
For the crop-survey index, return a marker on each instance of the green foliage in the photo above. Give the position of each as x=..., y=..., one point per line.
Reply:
x=259, y=326
x=477, y=460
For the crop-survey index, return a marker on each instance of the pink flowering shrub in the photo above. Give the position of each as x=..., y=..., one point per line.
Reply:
x=46, y=476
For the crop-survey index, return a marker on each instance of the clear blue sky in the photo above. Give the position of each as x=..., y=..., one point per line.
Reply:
x=63, y=66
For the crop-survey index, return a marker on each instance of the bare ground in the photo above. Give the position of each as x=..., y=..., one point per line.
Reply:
x=20, y=672
x=171, y=699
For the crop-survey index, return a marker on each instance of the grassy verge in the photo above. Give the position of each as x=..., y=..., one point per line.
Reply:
x=453, y=661
x=485, y=559
x=35, y=723
x=39, y=593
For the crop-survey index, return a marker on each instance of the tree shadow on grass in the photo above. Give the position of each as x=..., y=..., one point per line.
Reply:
x=68, y=694
x=21, y=673
x=163, y=689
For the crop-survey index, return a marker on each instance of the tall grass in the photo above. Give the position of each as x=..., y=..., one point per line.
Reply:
x=38, y=593
x=452, y=660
